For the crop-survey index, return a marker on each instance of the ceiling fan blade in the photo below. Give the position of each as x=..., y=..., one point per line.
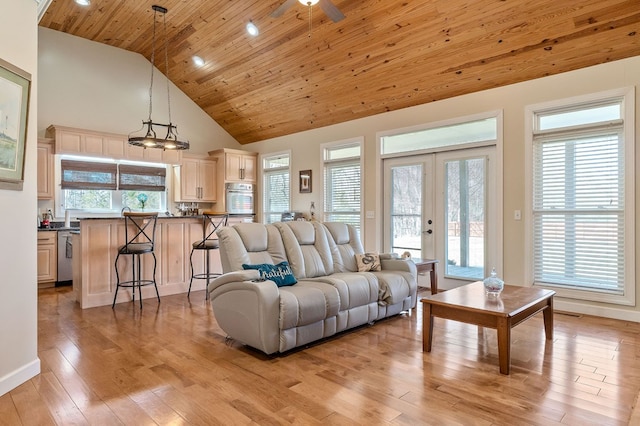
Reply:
x=283, y=8
x=331, y=10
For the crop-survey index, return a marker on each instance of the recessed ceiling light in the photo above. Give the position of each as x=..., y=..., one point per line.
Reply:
x=198, y=61
x=83, y=2
x=252, y=29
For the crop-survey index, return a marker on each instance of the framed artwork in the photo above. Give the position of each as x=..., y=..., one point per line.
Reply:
x=15, y=86
x=305, y=181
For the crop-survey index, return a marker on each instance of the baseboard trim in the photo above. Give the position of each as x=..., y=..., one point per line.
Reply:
x=17, y=377
x=597, y=311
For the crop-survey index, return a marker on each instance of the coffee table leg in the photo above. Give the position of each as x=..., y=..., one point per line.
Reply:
x=434, y=278
x=548, y=319
x=427, y=327
x=504, y=344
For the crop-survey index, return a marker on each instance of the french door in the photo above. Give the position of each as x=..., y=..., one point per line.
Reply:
x=443, y=206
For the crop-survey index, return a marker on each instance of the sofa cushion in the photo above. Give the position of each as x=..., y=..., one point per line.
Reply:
x=280, y=274
x=355, y=289
x=344, y=243
x=307, y=248
x=368, y=262
x=307, y=302
x=251, y=244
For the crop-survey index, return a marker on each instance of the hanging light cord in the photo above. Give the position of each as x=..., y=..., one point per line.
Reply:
x=153, y=63
x=309, y=6
x=166, y=65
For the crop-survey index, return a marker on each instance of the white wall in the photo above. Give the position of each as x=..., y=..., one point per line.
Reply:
x=305, y=151
x=94, y=86
x=18, y=283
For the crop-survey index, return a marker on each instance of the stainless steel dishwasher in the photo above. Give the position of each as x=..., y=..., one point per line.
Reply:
x=65, y=255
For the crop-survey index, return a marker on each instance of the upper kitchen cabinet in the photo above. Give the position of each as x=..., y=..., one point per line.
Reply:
x=239, y=166
x=84, y=142
x=195, y=180
x=139, y=153
x=99, y=144
x=45, y=169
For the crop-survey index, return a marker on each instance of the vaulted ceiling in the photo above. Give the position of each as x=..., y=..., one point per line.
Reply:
x=383, y=56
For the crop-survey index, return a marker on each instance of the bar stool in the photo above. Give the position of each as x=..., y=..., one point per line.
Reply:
x=211, y=221
x=142, y=229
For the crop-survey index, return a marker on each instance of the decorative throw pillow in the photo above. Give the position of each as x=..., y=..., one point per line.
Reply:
x=280, y=274
x=368, y=262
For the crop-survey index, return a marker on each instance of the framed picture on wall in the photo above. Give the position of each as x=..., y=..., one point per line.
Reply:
x=305, y=181
x=15, y=85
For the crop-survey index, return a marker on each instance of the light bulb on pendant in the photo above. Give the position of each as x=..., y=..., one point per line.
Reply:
x=308, y=2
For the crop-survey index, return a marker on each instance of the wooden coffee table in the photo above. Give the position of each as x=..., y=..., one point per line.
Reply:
x=470, y=304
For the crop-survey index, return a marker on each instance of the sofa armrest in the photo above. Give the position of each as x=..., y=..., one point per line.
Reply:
x=233, y=277
x=247, y=311
x=395, y=264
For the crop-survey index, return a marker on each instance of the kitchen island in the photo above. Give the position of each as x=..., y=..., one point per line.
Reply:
x=96, y=245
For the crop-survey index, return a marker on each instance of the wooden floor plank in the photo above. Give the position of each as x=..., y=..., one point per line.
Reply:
x=171, y=364
x=8, y=411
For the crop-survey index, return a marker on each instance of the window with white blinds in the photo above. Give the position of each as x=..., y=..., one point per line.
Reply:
x=276, y=194
x=579, y=207
x=342, y=184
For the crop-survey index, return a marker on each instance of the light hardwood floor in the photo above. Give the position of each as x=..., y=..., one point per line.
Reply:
x=171, y=364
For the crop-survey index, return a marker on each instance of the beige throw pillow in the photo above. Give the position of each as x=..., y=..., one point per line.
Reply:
x=368, y=262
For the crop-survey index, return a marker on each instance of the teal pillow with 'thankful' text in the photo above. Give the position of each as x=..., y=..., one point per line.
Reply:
x=280, y=274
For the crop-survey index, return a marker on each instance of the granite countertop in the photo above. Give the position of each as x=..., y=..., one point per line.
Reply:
x=75, y=224
x=62, y=228
x=59, y=226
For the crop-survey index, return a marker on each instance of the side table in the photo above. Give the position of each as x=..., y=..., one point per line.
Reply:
x=431, y=266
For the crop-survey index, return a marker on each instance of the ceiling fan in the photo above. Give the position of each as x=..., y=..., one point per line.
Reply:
x=327, y=7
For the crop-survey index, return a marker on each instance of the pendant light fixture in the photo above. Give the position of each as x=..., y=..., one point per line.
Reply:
x=150, y=139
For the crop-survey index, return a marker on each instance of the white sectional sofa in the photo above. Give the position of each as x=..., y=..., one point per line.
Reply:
x=330, y=294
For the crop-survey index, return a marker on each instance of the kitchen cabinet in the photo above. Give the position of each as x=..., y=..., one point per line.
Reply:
x=154, y=155
x=94, y=278
x=195, y=180
x=45, y=169
x=47, y=259
x=99, y=144
x=239, y=166
x=84, y=142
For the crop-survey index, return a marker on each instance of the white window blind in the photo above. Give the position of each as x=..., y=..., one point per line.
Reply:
x=343, y=187
x=579, y=207
x=276, y=187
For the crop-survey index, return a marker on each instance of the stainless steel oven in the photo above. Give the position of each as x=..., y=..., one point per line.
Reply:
x=239, y=198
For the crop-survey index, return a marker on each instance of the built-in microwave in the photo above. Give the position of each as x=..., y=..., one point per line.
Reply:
x=239, y=198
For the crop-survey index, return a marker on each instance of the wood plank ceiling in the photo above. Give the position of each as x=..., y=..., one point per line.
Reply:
x=385, y=55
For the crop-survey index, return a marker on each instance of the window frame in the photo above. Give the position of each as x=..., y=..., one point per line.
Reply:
x=325, y=149
x=266, y=188
x=627, y=99
x=116, y=195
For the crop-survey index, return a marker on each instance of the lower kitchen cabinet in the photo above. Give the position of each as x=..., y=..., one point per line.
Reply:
x=47, y=259
x=94, y=278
